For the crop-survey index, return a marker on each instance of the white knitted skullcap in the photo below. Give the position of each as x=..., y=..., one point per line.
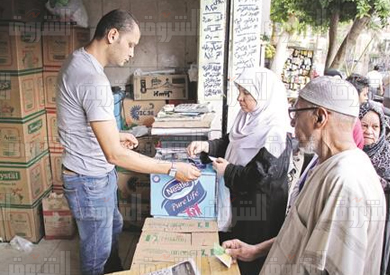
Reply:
x=332, y=93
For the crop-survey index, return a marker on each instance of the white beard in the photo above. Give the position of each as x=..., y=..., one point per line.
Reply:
x=310, y=147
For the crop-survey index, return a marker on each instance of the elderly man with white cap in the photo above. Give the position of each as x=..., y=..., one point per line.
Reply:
x=336, y=225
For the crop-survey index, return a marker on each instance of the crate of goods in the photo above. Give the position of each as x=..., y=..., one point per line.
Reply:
x=52, y=131
x=2, y=228
x=49, y=82
x=61, y=39
x=193, y=199
x=23, y=140
x=164, y=240
x=160, y=87
x=24, y=221
x=58, y=219
x=23, y=184
x=21, y=94
x=141, y=112
x=56, y=168
x=20, y=46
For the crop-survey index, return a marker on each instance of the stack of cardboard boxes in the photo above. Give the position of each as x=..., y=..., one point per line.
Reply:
x=173, y=240
x=59, y=40
x=25, y=175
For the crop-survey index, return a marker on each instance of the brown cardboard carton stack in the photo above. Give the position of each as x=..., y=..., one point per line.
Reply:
x=2, y=229
x=149, y=95
x=26, y=222
x=174, y=240
x=58, y=220
x=22, y=187
x=25, y=175
x=165, y=242
x=60, y=39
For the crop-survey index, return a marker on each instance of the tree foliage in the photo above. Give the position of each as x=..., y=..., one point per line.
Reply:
x=325, y=15
x=317, y=13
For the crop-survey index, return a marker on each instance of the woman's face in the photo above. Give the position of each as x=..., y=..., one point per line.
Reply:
x=363, y=96
x=371, y=128
x=245, y=99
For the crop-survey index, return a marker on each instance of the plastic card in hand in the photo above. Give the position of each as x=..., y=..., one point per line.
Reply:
x=219, y=252
x=212, y=158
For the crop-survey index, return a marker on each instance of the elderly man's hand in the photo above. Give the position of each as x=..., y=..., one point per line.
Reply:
x=240, y=250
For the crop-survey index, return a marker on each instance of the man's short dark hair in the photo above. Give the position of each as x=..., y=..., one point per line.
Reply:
x=333, y=72
x=360, y=82
x=119, y=19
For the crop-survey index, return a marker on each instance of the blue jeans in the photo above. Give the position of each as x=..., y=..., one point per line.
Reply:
x=93, y=202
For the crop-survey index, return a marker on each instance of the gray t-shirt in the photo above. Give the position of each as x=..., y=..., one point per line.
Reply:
x=83, y=95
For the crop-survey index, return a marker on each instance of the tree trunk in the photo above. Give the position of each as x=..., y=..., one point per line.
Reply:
x=280, y=53
x=334, y=23
x=349, y=41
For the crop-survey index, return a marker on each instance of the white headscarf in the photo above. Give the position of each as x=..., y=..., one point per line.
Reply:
x=267, y=125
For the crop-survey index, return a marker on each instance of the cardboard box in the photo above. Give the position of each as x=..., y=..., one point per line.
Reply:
x=195, y=199
x=24, y=10
x=164, y=238
x=134, y=213
x=56, y=168
x=179, y=225
x=58, y=219
x=20, y=46
x=23, y=140
x=41, y=91
x=158, y=237
x=57, y=189
x=149, y=253
x=23, y=184
x=207, y=265
x=60, y=40
x=141, y=112
x=24, y=221
x=21, y=94
x=2, y=228
x=160, y=87
x=48, y=179
x=50, y=81
x=52, y=131
x=133, y=184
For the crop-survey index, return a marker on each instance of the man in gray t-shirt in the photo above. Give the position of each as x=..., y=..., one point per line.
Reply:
x=84, y=96
x=93, y=145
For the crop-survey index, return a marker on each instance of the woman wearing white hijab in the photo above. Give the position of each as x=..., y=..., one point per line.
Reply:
x=254, y=160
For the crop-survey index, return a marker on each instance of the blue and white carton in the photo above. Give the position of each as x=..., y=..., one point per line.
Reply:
x=193, y=199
